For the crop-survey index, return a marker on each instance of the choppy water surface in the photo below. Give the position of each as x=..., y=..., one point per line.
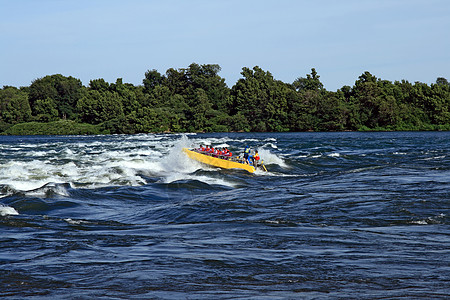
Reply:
x=338, y=215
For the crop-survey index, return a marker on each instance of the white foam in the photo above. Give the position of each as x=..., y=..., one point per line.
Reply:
x=420, y=222
x=75, y=222
x=270, y=158
x=272, y=145
x=222, y=145
x=434, y=158
x=430, y=220
x=68, y=152
x=6, y=210
x=118, y=160
x=176, y=160
x=42, y=191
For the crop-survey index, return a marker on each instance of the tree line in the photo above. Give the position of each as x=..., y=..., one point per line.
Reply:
x=196, y=99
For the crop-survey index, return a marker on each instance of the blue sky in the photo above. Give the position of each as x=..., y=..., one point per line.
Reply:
x=110, y=39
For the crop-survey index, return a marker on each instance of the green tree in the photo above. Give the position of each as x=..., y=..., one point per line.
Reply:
x=176, y=81
x=311, y=107
x=196, y=95
x=311, y=82
x=200, y=111
x=206, y=77
x=64, y=91
x=99, y=85
x=96, y=107
x=260, y=99
x=332, y=112
x=442, y=81
x=411, y=115
x=46, y=110
x=439, y=108
x=366, y=101
x=148, y=120
x=14, y=105
x=158, y=97
x=127, y=95
x=152, y=79
x=238, y=122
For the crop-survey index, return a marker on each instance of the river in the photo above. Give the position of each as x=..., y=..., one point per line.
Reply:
x=338, y=215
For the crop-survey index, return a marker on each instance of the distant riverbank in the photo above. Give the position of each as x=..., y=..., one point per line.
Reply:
x=196, y=99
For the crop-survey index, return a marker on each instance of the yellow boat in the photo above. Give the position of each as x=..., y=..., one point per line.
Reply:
x=219, y=162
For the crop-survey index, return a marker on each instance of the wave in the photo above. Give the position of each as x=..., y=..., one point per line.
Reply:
x=334, y=154
x=6, y=211
x=438, y=219
x=271, y=158
x=6, y=190
x=49, y=190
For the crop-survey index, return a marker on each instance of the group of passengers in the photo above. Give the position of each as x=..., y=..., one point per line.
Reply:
x=249, y=157
x=216, y=152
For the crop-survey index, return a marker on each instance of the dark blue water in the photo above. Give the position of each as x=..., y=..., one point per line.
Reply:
x=338, y=215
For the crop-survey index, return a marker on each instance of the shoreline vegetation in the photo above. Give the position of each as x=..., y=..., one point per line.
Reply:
x=196, y=99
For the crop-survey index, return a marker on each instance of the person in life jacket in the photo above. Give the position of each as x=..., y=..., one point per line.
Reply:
x=225, y=153
x=228, y=152
x=246, y=152
x=211, y=151
x=253, y=159
x=256, y=158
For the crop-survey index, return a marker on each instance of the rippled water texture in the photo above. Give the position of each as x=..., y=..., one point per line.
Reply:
x=338, y=215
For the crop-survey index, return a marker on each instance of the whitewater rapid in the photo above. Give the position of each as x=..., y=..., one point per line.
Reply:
x=122, y=160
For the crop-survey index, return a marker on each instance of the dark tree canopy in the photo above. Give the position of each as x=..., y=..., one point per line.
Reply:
x=196, y=98
x=64, y=91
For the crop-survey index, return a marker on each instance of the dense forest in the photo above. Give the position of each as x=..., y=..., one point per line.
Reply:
x=196, y=99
